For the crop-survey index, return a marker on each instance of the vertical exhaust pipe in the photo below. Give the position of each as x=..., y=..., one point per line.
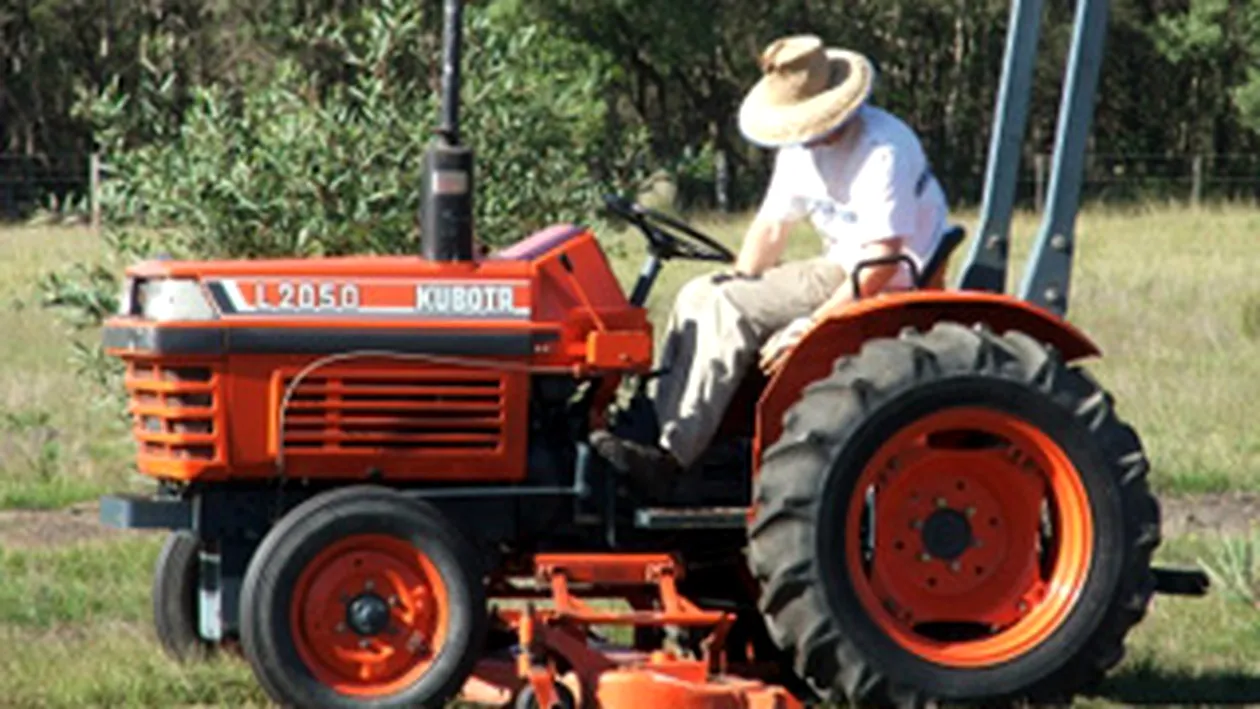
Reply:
x=446, y=219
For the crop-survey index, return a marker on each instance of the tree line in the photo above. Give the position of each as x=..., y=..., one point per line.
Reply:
x=637, y=86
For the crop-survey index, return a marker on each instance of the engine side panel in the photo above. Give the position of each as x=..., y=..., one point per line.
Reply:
x=390, y=368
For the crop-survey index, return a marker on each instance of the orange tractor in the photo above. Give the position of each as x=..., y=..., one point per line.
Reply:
x=378, y=482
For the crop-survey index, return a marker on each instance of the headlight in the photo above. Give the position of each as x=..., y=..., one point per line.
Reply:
x=166, y=299
x=125, y=302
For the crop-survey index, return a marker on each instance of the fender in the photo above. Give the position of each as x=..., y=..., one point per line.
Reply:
x=887, y=315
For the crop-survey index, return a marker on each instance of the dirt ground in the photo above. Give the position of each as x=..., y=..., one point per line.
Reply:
x=1208, y=514
x=38, y=529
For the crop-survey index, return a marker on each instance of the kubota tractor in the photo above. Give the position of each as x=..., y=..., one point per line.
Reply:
x=377, y=479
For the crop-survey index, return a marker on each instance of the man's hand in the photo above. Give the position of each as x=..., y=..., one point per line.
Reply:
x=774, y=353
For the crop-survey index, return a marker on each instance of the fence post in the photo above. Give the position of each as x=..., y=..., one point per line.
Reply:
x=1196, y=184
x=1041, y=166
x=94, y=190
x=722, y=181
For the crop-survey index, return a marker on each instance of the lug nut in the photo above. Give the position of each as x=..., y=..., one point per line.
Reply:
x=416, y=643
x=393, y=600
x=942, y=502
x=368, y=585
x=971, y=511
x=925, y=557
x=955, y=567
x=341, y=628
x=916, y=524
x=364, y=644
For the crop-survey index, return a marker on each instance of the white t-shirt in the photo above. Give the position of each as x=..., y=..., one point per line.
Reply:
x=873, y=184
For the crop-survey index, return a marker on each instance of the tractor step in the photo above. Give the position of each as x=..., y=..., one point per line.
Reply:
x=1181, y=582
x=691, y=518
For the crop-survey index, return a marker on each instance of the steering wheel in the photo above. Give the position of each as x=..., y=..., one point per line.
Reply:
x=668, y=237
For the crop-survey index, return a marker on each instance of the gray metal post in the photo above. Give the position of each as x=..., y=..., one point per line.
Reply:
x=1048, y=275
x=94, y=190
x=1196, y=181
x=986, y=265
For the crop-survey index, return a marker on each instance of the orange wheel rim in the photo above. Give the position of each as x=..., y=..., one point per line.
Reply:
x=369, y=614
x=969, y=538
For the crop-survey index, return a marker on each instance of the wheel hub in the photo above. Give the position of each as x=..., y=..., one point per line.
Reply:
x=957, y=567
x=946, y=534
x=367, y=614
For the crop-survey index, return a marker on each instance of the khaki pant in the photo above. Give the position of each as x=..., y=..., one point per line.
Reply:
x=715, y=334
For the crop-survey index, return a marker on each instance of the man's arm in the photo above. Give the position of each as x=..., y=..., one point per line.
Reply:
x=872, y=279
x=762, y=247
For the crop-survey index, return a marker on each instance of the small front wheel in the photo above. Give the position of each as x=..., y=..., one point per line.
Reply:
x=175, y=589
x=362, y=597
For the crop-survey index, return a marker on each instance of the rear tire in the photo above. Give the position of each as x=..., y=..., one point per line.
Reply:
x=175, y=599
x=362, y=597
x=837, y=566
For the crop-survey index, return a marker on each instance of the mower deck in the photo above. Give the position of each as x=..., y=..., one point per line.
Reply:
x=560, y=662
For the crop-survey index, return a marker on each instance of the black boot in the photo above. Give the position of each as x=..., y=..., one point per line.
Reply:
x=651, y=470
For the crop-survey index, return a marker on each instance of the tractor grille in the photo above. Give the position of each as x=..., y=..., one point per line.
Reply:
x=403, y=411
x=174, y=411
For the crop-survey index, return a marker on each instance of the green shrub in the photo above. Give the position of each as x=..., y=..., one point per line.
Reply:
x=320, y=153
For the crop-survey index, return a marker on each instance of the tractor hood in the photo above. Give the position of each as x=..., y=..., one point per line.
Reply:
x=541, y=296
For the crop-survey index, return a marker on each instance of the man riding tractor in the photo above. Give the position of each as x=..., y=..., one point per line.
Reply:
x=860, y=175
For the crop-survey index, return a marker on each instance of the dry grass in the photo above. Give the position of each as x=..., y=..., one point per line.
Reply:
x=56, y=445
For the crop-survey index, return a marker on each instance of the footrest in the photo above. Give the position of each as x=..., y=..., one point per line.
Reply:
x=140, y=512
x=1181, y=582
x=691, y=518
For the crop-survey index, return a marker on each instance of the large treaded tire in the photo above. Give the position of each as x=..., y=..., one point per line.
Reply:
x=808, y=478
x=300, y=540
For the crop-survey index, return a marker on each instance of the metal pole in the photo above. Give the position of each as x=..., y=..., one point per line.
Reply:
x=452, y=31
x=1048, y=276
x=986, y=265
x=1196, y=188
x=446, y=210
x=94, y=190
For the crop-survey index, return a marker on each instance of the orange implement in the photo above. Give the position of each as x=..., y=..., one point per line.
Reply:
x=608, y=677
x=650, y=687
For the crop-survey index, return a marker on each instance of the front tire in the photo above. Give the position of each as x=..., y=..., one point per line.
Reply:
x=362, y=597
x=953, y=516
x=175, y=599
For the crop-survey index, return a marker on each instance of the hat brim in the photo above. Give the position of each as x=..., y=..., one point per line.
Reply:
x=773, y=125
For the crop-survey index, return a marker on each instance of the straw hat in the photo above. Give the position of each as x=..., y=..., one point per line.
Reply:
x=806, y=91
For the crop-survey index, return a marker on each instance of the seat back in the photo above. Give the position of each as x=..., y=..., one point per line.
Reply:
x=537, y=244
x=934, y=270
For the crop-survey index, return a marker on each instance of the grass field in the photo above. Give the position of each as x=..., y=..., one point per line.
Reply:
x=1169, y=295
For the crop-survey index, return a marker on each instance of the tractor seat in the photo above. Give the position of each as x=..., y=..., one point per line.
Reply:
x=933, y=274
x=934, y=270
x=537, y=244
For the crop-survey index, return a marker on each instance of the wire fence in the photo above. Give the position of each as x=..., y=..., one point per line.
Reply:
x=30, y=182
x=70, y=183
